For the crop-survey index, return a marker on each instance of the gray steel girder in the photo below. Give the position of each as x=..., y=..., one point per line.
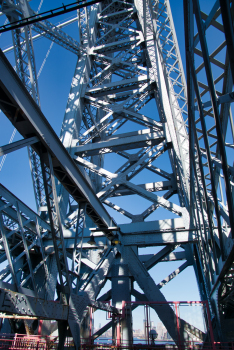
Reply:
x=16, y=303
x=25, y=305
x=170, y=257
x=17, y=145
x=160, y=232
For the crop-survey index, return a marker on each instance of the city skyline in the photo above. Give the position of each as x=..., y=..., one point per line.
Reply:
x=140, y=333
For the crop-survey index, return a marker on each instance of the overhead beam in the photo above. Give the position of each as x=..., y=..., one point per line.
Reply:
x=226, y=98
x=175, y=256
x=151, y=187
x=117, y=86
x=139, y=296
x=147, y=240
x=148, y=233
x=107, y=296
x=218, y=163
x=157, y=226
x=122, y=142
x=44, y=28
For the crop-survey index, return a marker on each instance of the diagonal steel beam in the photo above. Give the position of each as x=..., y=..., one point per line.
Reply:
x=173, y=275
x=159, y=256
x=187, y=327
x=24, y=108
x=152, y=292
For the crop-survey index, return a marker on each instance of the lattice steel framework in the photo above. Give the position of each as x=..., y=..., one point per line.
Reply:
x=210, y=84
x=128, y=104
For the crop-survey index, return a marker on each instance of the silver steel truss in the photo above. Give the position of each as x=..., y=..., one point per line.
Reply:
x=128, y=59
x=210, y=85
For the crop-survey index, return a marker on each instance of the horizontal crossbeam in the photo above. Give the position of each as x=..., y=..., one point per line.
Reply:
x=122, y=142
x=17, y=145
x=170, y=257
x=24, y=305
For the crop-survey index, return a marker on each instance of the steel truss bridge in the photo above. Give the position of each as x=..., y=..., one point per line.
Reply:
x=127, y=58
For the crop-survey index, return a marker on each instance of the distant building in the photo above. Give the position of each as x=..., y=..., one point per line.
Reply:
x=138, y=333
x=161, y=330
x=145, y=328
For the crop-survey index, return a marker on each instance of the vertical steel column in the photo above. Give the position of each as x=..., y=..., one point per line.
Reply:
x=177, y=324
x=32, y=82
x=56, y=225
x=147, y=322
x=210, y=325
x=44, y=260
x=118, y=336
x=91, y=325
x=228, y=31
x=121, y=290
x=192, y=77
x=174, y=111
x=60, y=251
x=191, y=116
x=193, y=146
x=78, y=244
x=57, y=236
x=26, y=247
x=7, y=250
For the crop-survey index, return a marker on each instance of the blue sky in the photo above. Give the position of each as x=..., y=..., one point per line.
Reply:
x=54, y=86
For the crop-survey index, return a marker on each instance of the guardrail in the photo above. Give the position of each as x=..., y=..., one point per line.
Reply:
x=36, y=342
